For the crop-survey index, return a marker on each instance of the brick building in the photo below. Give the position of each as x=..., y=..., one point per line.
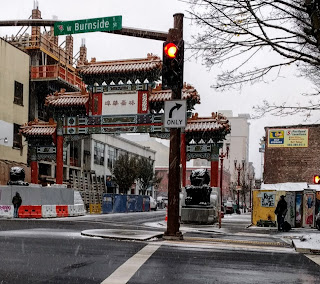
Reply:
x=291, y=153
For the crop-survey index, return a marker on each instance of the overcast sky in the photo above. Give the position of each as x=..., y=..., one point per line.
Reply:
x=158, y=15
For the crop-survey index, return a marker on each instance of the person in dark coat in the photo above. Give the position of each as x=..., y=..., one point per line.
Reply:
x=16, y=201
x=281, y=211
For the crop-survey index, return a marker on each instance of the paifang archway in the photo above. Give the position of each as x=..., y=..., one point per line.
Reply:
x=83, y=113
x=78, y=114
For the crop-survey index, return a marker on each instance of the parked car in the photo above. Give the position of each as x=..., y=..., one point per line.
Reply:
x=318, y=221
x=228, y=206
x=153, y=204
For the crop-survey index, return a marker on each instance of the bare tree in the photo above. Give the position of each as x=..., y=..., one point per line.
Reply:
x=145, y=173
x=125, y=172
x=238, y=32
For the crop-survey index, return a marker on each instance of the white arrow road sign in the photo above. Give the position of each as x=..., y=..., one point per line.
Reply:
x=175, y=114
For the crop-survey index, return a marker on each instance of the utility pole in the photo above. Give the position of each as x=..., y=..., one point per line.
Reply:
x=222, y=156
x=173, y=225
x=239, y=169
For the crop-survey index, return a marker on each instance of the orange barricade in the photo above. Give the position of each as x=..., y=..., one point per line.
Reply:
x=62, y=210
x=24, y=211
x=30, y=211
x=35, y=211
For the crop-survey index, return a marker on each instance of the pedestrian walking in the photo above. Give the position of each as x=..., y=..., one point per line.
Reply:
x=281, y=211
x=16, y=201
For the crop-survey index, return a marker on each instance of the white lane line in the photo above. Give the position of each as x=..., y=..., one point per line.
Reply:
x=124, y=273
x=314, y=258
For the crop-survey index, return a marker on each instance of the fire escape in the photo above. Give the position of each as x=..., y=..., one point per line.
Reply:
x=52, y=67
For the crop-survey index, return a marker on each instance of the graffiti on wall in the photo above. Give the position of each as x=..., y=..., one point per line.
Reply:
x=291, y=205
x=309, y=209
x=268, y=199
x=298, y=209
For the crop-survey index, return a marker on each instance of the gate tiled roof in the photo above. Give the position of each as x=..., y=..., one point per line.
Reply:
x=37, y=128
x=121, y=66
x=141, y=69
x=217, y=122
x=188, y=92
x=63, y=99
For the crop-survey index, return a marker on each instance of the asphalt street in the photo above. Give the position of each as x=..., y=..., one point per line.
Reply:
x=54, y=251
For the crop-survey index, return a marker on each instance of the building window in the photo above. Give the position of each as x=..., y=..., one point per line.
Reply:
x=18, y=93
x=75, y=149
x=17, y=138
x=98, y=153
x=111, y=157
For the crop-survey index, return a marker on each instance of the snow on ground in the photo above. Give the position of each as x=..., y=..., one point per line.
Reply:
x=306, y=241
x=243, y=217
x=309, y=241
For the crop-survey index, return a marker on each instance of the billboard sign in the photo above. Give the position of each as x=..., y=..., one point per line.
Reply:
x=294, y=138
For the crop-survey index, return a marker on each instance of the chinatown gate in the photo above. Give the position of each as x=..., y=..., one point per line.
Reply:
x=139, y=109
x=135, y=107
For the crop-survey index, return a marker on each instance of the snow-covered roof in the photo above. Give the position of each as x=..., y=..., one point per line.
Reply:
x=290, y=186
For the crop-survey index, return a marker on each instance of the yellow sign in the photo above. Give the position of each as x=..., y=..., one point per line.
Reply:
x=288, y=137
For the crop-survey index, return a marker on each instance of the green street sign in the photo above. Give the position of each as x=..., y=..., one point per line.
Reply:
x=87, y=26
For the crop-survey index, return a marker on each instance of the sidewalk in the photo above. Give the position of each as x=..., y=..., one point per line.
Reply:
x=303, y=240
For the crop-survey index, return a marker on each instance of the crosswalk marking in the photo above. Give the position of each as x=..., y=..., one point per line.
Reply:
x=315, y=258
x=124, y=273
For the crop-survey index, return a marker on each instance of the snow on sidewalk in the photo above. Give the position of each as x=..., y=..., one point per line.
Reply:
x=307, y=243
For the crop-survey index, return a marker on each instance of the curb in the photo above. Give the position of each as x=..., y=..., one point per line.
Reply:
x=254, y=243
x=305, y=250
x=122, y=235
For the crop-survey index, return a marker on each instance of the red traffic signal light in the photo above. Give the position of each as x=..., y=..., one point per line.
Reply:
x=316, y=179
x=172, y=64
x=171, y=50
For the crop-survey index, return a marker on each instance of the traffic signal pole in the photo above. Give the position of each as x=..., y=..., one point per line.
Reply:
x=173, y=223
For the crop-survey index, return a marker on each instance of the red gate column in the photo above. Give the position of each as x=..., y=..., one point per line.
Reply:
x=183, y=159
x=59, y=168
x=214, y=173
x=34, y=165
x=214, y=177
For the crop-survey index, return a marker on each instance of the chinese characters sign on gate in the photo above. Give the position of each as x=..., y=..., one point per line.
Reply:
x=120, y=103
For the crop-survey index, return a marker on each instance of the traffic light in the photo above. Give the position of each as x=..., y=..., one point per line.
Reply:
x=316, y=179
x=172, y=68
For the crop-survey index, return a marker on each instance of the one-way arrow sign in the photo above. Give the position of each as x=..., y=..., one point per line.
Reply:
x=175, y=114
x=177, y=106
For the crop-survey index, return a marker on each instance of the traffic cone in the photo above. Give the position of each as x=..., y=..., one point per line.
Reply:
x=166, y=219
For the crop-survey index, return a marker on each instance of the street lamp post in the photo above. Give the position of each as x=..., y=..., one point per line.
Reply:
x=250, y=177
x=239, y=168
x=222, y=156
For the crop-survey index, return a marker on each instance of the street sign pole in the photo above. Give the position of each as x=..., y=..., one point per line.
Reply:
x=173, y=223
x=127, y=31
